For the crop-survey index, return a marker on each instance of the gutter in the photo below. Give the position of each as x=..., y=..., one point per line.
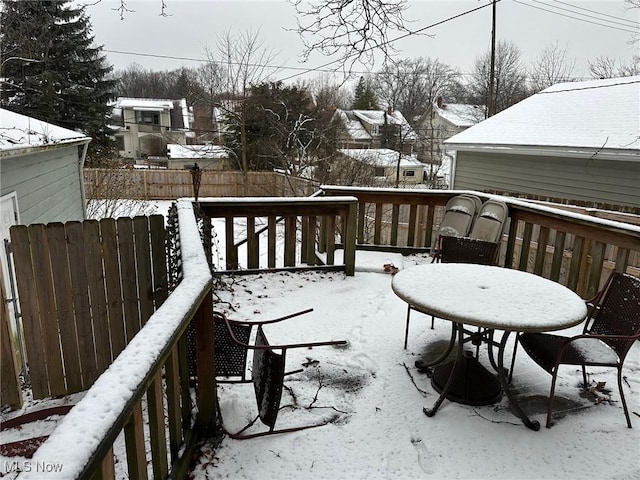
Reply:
x=550, y=151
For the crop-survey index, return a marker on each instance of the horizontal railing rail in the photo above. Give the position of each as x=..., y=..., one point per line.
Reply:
x=152, y=374
x=281, y=233
x=573, y=249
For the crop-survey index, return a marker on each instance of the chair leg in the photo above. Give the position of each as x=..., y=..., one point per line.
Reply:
x=554, y=375
x=624, y=402
x=406, y=330
x=584, y=378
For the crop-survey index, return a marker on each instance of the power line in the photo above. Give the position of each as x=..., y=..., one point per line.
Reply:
x=574, y=18
x=584, y=14
x=401, y=37
x=634, y=24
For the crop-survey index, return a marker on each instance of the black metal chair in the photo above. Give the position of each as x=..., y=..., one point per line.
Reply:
x=612, y=326
x=267, y=372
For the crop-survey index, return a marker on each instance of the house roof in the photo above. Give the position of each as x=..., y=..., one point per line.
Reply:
x=196, y=151
x=353, y=121
x=381, y=157
x=460, y=114
x=20, y=131
x=151, y=104
x=584, y=118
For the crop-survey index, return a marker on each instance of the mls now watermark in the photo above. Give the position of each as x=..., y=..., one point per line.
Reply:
x=30, y=466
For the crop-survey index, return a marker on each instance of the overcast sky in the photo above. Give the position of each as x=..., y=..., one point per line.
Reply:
x=588, y=29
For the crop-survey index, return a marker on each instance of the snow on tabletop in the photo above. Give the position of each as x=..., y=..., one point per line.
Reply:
x=486, y=296
x=88, y=422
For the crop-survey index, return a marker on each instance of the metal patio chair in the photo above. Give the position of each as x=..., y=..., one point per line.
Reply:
x=267, y=370
x=611, y=328
x=490, y=221
x=458, y=217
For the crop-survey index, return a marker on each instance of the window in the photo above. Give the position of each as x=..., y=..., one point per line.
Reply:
x=409, y=173
x=148, y=118
x=379, y=172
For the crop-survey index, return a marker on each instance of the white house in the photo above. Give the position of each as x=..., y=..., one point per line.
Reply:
x=374, y=129
x=145, y=126
x=385, y=167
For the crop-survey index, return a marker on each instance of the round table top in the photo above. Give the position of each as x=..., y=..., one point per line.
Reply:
x=491, y=297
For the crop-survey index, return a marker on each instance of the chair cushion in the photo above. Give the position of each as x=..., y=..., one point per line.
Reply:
x=543, y=348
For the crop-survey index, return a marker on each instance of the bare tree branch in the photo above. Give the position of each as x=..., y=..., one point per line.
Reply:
x=353, y=29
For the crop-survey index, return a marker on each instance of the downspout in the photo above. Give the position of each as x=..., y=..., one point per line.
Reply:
x=452, y=174
x=81, y=162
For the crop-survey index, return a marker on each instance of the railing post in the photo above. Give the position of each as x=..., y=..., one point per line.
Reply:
x=350, y=240
x=206, y=396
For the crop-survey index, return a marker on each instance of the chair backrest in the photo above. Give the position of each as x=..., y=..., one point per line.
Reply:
x=458, y=217
x=267, y=373
x=490, y=222
x=468, y=250
x=618, y=312
x=230, y=357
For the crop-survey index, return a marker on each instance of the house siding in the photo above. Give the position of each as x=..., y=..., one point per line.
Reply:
x=46, y=183
x=592, y=181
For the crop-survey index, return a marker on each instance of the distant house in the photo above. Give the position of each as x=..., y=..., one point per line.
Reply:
x=374, y=129
x=40, y=174
x=442, y=121
x=381, y=165
x=208, y=157
x=574, y=142
x=145, y=126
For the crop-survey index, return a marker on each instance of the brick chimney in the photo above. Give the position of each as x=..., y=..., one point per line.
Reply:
x=439, y=101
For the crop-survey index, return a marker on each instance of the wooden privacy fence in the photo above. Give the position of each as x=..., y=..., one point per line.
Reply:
x=142, y=184
x=85, y=289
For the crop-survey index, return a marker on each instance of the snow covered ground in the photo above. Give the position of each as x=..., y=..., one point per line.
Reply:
x=373, y=396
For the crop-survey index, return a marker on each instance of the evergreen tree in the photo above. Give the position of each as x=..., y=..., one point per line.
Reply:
x=51, y=70
x=365, y=97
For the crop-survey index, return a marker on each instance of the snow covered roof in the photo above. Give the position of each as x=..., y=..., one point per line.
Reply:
x=600, y=116
x=196, y=151
x=20, y=131
x=460, y=114
x=355, y=120
x=381, y=157
x=144, y=103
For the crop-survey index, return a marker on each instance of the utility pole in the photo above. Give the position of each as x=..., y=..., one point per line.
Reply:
x=491, y=107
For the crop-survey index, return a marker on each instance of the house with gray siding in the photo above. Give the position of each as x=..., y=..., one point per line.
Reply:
x=576, y=142
x=41, y=167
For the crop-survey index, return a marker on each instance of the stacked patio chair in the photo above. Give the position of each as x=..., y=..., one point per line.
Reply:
x=458, y=217
x=611, y=328
x=267, y=370
x=490, y=222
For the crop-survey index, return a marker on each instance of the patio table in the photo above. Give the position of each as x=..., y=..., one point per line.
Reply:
x=492, y=298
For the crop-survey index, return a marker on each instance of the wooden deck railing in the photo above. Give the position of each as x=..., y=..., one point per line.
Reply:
x=152, y=370
x=574, y=249
x=310, y=229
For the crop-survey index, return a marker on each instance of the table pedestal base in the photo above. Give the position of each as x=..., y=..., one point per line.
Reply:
x=472, y=383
